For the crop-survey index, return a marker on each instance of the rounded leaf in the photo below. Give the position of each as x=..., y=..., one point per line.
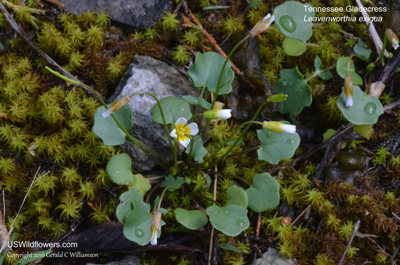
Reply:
x=276, y=146
x=192, y=220
x=293, y=47
x=119, y=169
x=173, y=109
x=230, y=220
x=140, y=183
x=292, y=19
x=365, y=110
x=341, y=69
x=127, y=199
x=108, y=130
x=206, y=71
x=264, y=193
x=198, y=150
x=299, y=94
x=236, y=195
x=137, y=224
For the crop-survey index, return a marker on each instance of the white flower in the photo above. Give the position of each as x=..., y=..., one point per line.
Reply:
x=348, y=91
x=182, y=131
x=262, y=25
x=279, y=127
x=218, y=114
x=392, y=38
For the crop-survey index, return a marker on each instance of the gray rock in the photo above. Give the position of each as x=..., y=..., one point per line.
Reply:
x=272, y=257
x=127, y=260
x=146, y=74
x=137, y=13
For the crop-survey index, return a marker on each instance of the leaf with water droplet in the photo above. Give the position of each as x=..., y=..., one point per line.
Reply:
x=276, y=146
x=365, y=110
x=127, y=199
x=230, y=220
x=292, y=19
x=137, y=224
x=299, y=94
x=192, y=220
x=119, y=169
x=264, y=193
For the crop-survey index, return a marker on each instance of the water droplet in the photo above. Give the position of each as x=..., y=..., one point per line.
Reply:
x=139, y=232
x=290, y=141
x=370, y=108
x=240, y=223
x=288, y=23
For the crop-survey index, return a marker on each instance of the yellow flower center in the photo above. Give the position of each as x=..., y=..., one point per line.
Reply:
x=181, y=131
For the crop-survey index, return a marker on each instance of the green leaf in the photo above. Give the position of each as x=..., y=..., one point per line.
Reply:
x=341, y=69
x=192, y=220
x=230, y=247
x=276, y=146
x=328, y=134
x=214, y=7
x=195, y=101
x=264, y=193
x=299, y=94
x=140, y=183
x=206, y=71
x=127, y=200
x=292, y=20
x=173, y=182
x=325, y=75
x=230, y=220
x=361, y=48
x=198, y=152
x=253, y=3
x=173, y=108
x=119, y=169
x=365, y=110
x=108, y=130
x=236, y=195
x=137, y=224
x=31, y=257
x=293, y=47
x=365, y=131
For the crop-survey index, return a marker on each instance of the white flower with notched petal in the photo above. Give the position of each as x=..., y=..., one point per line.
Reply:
x=182, y=131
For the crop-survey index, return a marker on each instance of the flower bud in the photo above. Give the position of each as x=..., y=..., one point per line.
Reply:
x=392, y=38
x=116, y=106
x=262, y=25
x=279, y=127
x=277, y=98
x=348, y=91
x=218, y=114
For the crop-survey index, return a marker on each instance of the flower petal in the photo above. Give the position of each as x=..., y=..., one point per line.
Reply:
x=184, y=141
x=107, y=113
x=225, y=113
x=181, y=120
x=349, y=101
x=173, y=134
x=289, y=128
x=194, y=129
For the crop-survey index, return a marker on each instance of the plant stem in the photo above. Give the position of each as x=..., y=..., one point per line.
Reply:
x=383, y=49
x=221, y=74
